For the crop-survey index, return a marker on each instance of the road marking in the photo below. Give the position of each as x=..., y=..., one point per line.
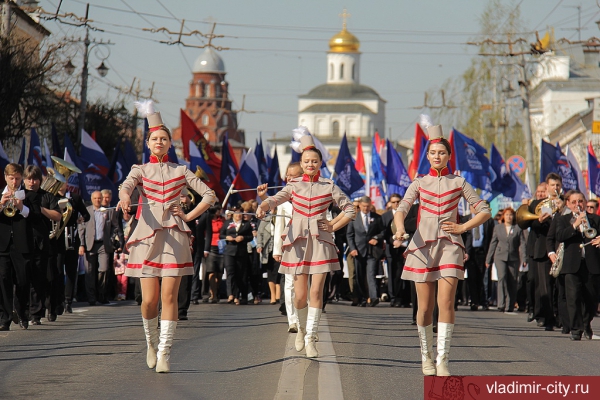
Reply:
x=294, y=368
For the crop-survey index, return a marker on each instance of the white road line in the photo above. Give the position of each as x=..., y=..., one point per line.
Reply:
x=293, y=371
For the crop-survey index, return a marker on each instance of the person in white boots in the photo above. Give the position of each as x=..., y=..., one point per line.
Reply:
x=308, y=247
x=436, y=253
x=159, y=247
x=294, y=170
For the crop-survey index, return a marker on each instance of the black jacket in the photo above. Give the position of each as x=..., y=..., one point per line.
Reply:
x=358, y=239
x=234, y=248
x=572, y=238
x=19, y=228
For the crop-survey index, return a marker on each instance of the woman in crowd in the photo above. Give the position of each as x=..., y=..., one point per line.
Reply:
x=435, y=255
x=237, y=233
x=507, y=251
x=308, y=245
x=214, y=257
x=159, y=247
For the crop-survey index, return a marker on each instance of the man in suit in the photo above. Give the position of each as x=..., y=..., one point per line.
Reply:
x=96, y=238
x=68, y=244
x=43, y=257
x=399, y=290
x=537, y=251
x=581, y=266
x=365, y=241
x=238, y=233
x=16, y=244
x=478, y=274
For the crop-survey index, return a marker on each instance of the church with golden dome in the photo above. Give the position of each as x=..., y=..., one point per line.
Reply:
x=342, y=105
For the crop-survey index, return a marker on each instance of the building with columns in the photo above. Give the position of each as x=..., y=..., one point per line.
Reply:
x=208, y=103
x=341, y=105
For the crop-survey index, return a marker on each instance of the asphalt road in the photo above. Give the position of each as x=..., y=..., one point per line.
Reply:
x=244, y=352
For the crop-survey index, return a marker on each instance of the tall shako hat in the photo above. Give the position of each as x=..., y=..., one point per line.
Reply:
x=146, y=109
x=434, y=132
x=302, y=140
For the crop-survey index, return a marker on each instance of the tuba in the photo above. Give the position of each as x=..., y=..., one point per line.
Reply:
x=62, y=169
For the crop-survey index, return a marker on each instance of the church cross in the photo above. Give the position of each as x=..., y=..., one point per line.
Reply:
x=344, y=16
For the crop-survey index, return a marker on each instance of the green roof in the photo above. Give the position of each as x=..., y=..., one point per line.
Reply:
x=342, y=91
x=338, y=108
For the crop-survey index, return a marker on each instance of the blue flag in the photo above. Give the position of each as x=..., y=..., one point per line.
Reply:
x=593, y=171
x=229, y=169
x=471, y=161
x=274, y=174
x=504, y=183
x=263, y=168
x=57, y=150
x=145, y=149
x=113, y=164
x=348, y=178
x=552, y=159
x=35, y=151
x=22, y=155
x=397, y=176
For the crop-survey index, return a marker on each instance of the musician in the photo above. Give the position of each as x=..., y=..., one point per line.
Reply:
x=237, y=233
x=16, y=244
x=581, y=265
x=538, y=255
x=552, y=248
x=43, y=257
x=68, y=245
x=111, y=279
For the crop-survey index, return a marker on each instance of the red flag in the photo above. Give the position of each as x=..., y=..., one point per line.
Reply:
x=420, y=139
x=189, y=131
x=94, y=136
x=360, y=158
x=452, y=161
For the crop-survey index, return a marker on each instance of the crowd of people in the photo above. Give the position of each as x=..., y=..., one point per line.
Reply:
x=55, y=249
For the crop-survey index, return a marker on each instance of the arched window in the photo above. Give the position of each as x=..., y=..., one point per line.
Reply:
x=353, y=71
x=225, y=120
x=201, y=89
x=336, y=129
x=205, y=120
x=341, y=71
x=331, y=71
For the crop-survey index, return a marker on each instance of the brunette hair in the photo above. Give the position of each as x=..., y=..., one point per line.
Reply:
x=443, y=141
x=554, y=176
x=33, y=172
x=312, y=148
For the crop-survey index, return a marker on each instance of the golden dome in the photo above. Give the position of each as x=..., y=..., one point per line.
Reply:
x=344, y=42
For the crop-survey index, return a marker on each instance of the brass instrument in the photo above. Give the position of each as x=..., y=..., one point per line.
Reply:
x=9, y=208
x=585, y=227
x=557, y=265
x=62, y=169
x=524, y=217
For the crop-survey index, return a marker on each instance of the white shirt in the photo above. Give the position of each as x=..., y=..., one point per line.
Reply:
x=25, y=210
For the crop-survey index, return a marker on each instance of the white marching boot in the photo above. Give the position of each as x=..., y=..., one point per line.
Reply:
x=302, y=316
x=443, y=347
x=426, y=339
x=167, y=331
x=151, y=331
x=312, y=326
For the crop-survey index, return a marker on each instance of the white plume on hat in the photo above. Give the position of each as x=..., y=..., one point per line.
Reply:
x=297, y=134
x=145, y=107
x=425, y=121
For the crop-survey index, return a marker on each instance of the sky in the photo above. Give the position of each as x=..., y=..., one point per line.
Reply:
x=277, y=49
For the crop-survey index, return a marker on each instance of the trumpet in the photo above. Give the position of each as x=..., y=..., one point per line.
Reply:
x=585, y=227
x=10, y=209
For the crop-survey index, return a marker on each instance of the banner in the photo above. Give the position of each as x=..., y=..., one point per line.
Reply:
x=347, y=177
x=398, y=179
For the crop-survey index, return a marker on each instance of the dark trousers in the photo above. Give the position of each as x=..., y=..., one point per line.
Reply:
x=531, y=283
x=71, y=263
x=544, y=290
x=563, y=311
x=96, y=265
x=55, y=289
x=14, y=273
x=196, y=282
x=184, y=296
x=476, y=271
x=581, y=292
x=39, y=283
x=237, y=270
x=397, y=288
x=522, y=291
x=365, y=269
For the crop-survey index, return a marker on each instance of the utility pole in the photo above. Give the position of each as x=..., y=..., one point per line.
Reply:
x=524, y=86
x=84, y=81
